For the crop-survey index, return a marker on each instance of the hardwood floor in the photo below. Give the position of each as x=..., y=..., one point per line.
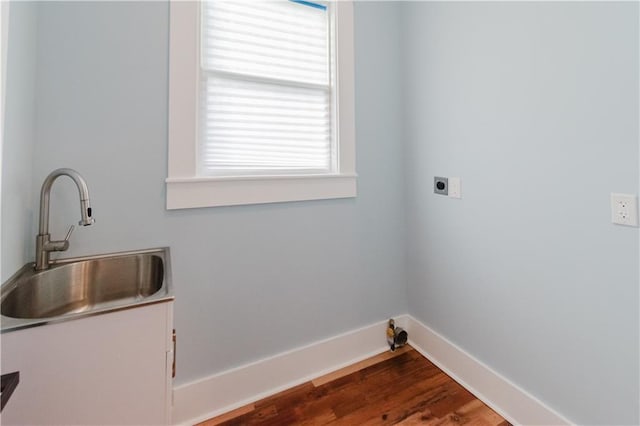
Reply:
x=393, y=388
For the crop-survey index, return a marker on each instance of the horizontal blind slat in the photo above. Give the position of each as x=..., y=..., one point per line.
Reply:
x=270, y=29
x=250, y=110
x=268, y=69
x=266, y=121
x=262, y=144
x=248, y=34
x=215, y=136
x=249, y=39
x=229, y=47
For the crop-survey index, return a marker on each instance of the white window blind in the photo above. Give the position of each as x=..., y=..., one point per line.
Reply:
x=267, y=79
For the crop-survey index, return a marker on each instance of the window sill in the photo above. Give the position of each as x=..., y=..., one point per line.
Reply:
x=184, y=193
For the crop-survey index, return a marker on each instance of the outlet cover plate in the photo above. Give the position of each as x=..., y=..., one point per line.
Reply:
x=624, y=209
x=454, y=187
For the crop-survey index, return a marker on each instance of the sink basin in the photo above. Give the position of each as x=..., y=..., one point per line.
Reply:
x=73, y=287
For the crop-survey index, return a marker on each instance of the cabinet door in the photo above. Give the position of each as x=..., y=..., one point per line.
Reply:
x=104, y=369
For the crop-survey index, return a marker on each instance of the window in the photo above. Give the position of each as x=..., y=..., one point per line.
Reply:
x=260, y=102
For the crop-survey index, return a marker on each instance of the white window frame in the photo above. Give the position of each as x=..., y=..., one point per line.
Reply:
x=185, y=189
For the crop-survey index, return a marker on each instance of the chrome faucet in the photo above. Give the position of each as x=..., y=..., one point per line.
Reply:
x=43, y=243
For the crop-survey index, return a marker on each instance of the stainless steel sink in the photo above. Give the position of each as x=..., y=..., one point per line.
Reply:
x=72, y=288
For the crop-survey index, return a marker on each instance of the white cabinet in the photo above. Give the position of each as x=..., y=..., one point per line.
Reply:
x=113, y=368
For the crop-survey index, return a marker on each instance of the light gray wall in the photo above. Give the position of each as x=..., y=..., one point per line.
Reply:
x=535, y=106
x=250, y=281
x=18, y=139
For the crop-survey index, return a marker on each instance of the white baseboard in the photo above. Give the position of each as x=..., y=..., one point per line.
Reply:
x=200, y=400
x=231, y=389
x=513, y=403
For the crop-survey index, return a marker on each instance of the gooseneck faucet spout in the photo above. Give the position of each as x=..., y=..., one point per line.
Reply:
x=44, y=245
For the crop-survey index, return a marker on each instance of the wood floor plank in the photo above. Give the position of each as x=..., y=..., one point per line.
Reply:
x=475, y=412
x=432, y=394
x=359, y=366
x=378, y=387
x=405, y=395
x=228, y=416
x=401, y=388
x=360, y=389
x=420, y=418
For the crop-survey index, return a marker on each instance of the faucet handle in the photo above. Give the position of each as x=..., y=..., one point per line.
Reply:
x=71, y=228
x=56, y=245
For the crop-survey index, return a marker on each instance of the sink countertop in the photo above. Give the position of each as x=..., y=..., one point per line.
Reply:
x=165, y=294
